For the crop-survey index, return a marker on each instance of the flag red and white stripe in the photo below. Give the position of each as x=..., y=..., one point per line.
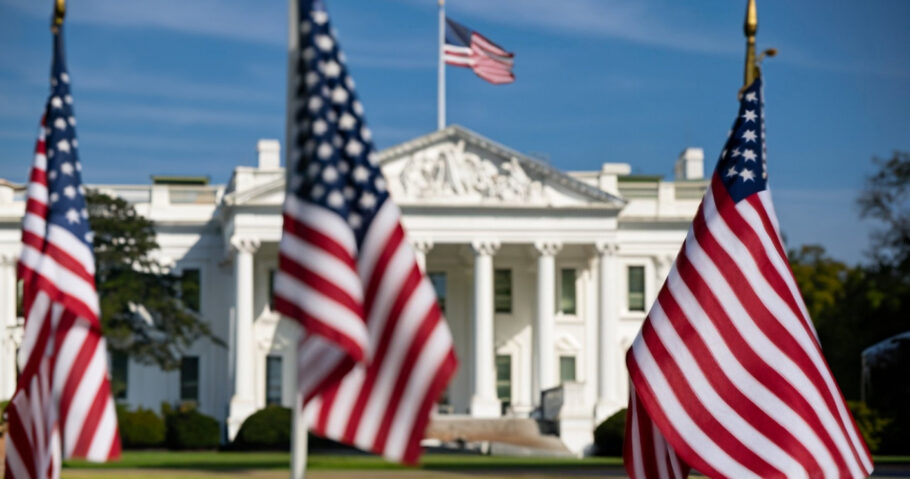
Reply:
x=469, y=49
x=63, y=406
x=378, y=353
x=727, y=373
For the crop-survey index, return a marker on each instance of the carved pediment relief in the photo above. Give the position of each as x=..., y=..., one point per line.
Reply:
x=450, y=171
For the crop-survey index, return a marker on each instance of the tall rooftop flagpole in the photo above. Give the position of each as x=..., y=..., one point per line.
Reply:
x=441, y=89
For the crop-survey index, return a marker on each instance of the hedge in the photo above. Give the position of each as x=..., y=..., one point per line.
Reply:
x=608, y=436
x=140, y=429
x=188, y=428
x=267, y=429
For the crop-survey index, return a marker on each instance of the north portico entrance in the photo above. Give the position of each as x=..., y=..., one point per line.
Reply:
x=515, y=249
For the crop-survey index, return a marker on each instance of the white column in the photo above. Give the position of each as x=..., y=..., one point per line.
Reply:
x=544, y=357
x=422, y=247
x=484, y=402
x=609, y=354
x=243, y=402
x=664, y=263
x=8, y=299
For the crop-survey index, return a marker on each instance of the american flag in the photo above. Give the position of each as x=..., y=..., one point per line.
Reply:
x=467, y=48
x=728, y=375
x=63, y=406
x=377, y=352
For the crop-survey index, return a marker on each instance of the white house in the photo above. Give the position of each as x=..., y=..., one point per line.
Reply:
x=544, y=275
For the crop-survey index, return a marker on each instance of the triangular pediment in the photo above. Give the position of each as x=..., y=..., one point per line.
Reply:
x=453, y=166
x=456, y=166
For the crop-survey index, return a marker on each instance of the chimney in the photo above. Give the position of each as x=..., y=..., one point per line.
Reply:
x=690, y=165
x=269, y=154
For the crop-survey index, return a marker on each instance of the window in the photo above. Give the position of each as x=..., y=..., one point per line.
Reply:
x=502, y=290
x=272, y=380
x=19, y=294
x=636, y=288
x=438, y=279
x=566, y=368
x=189, y=289
x=119, y=374
x=189, y=378
x=567, y=291
x=504, y=378
x=271, y=291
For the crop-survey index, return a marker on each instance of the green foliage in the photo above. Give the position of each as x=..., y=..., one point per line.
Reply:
x=608, y=436
x=820, y=279
x=3, y=405
x=140, y=429
x=188, y=428
x=142, y=310
x=267, y=429
x=870, y=423
x=886, y=199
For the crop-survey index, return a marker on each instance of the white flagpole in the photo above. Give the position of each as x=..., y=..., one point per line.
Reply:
x=441, y=90
x=298, y=419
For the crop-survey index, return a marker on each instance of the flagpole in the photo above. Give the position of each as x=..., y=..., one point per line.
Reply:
x=753, y=63
x=299, y=427
x=441, y=89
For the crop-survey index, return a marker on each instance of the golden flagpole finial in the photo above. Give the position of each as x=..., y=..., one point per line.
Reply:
x=59, y=13
x=750, y=28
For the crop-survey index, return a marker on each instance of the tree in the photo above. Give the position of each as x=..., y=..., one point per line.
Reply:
x=146, y=311
x=886, y=199
x=819, y=277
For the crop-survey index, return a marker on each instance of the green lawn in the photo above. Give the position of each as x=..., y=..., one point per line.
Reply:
x=280, y=460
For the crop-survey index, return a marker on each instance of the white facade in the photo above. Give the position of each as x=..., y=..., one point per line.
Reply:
x=473, y=209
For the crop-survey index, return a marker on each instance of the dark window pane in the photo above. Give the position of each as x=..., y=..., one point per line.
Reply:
x=19, y=312
x=189, y=378
x=189, y=289
x=119, y=374
x=566, y=368
x=504, y=377
x=272, y=289
x=636, y=288
x=438, y=279
x=567, y=298
x=502, y=290
x=273, y=380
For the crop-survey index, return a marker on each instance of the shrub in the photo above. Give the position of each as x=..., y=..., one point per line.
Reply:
x=140, y=429
x=188, y=428
x=608, y=436
x=871, y=424
x=266, y=429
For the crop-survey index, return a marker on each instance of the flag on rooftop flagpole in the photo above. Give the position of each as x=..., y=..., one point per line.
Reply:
x=727, y=373
x=469, y=49
x=63, y=406
x=377, y=352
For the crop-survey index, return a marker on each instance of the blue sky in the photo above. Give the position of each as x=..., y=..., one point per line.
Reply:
x=187, y=87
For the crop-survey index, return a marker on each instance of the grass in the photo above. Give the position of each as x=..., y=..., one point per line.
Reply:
x=210, y=460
